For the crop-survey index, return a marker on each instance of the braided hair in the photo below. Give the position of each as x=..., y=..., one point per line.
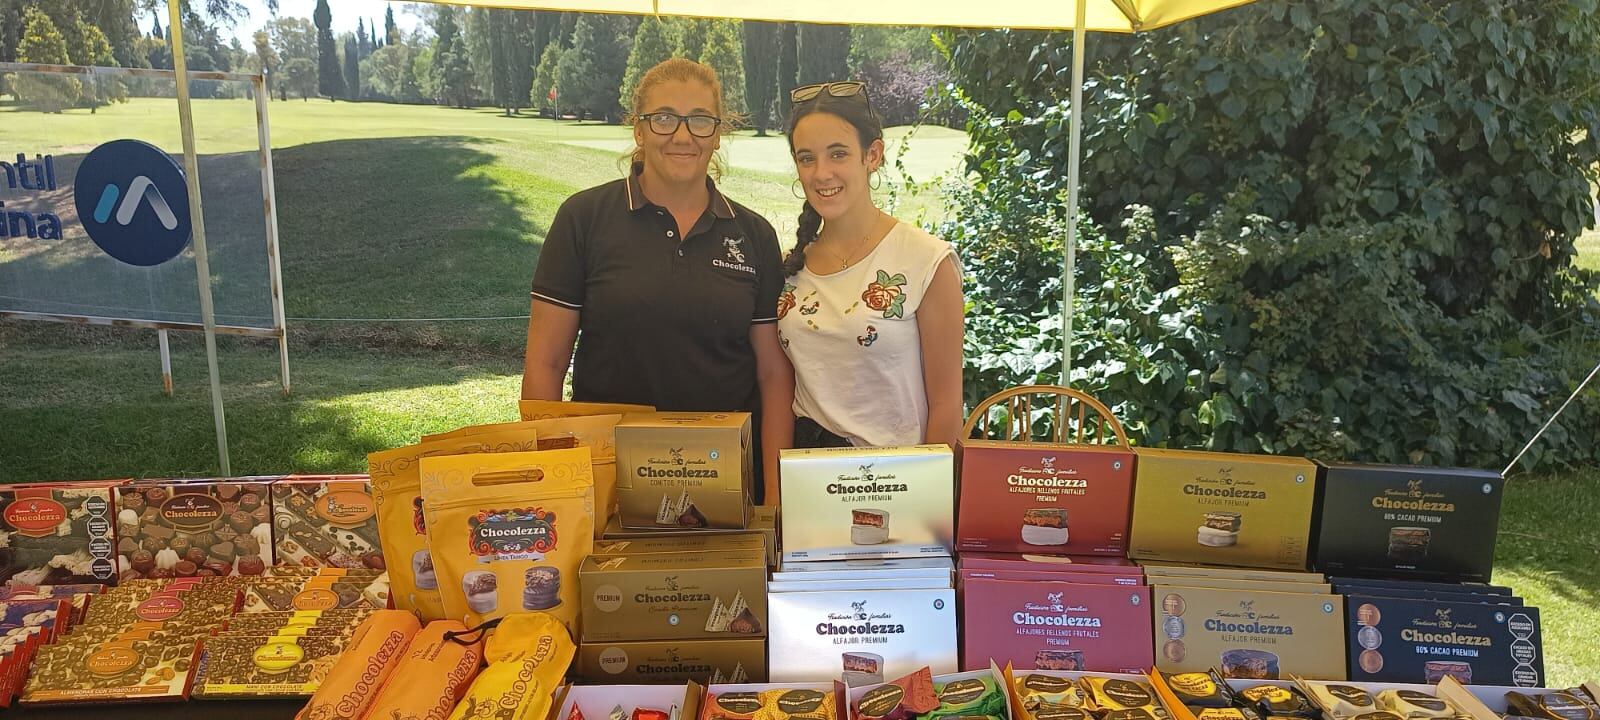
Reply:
x=869, y=128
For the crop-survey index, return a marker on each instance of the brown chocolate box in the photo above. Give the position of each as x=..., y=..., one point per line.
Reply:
x=326, y=521
x=684, y=470
x=674, y=661
x=58, y=534
x=1072, y=499
x=194, y=528
x=674, y=596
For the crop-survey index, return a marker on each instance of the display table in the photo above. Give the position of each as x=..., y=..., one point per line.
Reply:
x=192, y=710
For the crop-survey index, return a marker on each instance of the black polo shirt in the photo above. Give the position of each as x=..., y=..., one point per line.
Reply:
x=663, y=320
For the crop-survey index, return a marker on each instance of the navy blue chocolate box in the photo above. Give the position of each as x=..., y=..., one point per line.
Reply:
x=1402, y=640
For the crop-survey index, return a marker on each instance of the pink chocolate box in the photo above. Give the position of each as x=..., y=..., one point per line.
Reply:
x=1097, y=628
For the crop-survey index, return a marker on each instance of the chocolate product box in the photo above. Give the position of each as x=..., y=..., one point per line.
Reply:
x=1072, y=499
x=1252, y=635
x=674, y=661
x=928, y=567
x=763, y=519
x=316, y=593
x=266, y=666
x=1247, y=585
x=550, y=409
x=1028, y=576
x=904, y=583
x=684, y=470
x=674, y=596
x=975, y=694
x=821, y=636
x=600, y=702
x=848, y=503
x=678, y=542
x=55, y=534
x=194, y=528
x=1382, y=591
x=1396, y=521
x=1223, y=509
x=326, y=521
x=112, y=671
x=1048, y=563
x=1185, y=572
x=1473, y=588
x=1421, y=641
x=1052, y=625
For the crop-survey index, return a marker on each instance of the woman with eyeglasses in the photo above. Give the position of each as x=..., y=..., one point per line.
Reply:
x=871, y=316
x=668, y=288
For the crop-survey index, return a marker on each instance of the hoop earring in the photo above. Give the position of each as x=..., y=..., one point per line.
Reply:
x=794, y=189
x=875, y=180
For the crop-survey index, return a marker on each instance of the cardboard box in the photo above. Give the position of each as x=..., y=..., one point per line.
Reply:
x=674, y=596
x=680, y=542
x=547, y=409
x=1072, y=499
x=326, y=521
x=858, y=584
x=1421, y=641
x=1257, y=635
x=791, y=699
x=1396, y=521
x=1080, y=578
x=1472, y=588
x=58, y=534
x=815, y=634
x=1055, y=626
x=1246, y=585
x=1048, y=563
x=1223, y=508
x=763, y=519
x=848, y=503
x=1226, y=573
x=684, y=470
x=930, y=567
x=596, y=701
x=173, y=528
x=658, y=661
x=956, y=687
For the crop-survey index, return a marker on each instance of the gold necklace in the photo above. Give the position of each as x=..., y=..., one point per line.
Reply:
x=844, y=260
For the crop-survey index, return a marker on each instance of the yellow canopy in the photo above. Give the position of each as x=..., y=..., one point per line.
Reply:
x=1101, y=15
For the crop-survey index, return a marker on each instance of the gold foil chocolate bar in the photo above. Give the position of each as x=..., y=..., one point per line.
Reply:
x=271, y=622
x=326, y=521
x=148, y=670
x=267, y=666
x=186, y=529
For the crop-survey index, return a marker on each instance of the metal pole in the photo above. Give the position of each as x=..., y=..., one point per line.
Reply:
x=1074, y=160
x=1552, y=420
x=202, y=262
x=166, y=362
x=269, y=196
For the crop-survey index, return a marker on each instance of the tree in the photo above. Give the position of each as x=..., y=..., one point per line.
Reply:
x=330, y=76
x=155, y=30
x=292, y=38
x=419, y=82
x=42, y=43
x=480, y=56
x=788, y=68
x=391, y=31
x=543, y=95
x=511, y=37
x=591, y=71
x=691, y=37
x=267, y=58
x=760, y=71
x=94, y=49
x=352, y=68
x=300, y=74
x=652, y=43
x=824, y=51
x=363, y=44
x=452, y=72
x=723, y=54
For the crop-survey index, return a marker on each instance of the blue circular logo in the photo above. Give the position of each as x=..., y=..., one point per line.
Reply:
x=132, y=200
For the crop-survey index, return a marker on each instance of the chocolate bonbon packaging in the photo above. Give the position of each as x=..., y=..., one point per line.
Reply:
x=194, y=528
x=847, y=503
x=674, y=661
x=1071, y=499
x=1250, y=635
x=674, y=596
x=1223, y=509
x=1056, y=626
x=55, y=534
x=326, y=521
x=816, y=635
x=763, y=520
x=684, y=470
x=1421, y=641
x=1399, y=522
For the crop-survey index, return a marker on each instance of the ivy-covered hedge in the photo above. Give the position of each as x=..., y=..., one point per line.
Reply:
x=1339, y=229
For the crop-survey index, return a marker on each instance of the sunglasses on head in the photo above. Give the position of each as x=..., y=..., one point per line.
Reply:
x=836, y=89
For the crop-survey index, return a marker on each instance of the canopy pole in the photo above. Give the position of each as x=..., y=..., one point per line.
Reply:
x=1074, y=161
x=197, y=220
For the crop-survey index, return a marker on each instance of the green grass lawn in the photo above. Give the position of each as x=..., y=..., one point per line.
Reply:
x=415, y=211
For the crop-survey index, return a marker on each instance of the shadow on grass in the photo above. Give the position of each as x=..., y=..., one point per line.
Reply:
x=1547, y=531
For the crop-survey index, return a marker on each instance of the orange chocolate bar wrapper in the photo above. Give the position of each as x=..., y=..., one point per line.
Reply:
x=372, y=655
x=432, y=676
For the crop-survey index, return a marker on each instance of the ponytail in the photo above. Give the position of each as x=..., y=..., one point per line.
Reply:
x=810, y=223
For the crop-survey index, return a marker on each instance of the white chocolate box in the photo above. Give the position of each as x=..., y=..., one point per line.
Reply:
x=814, y=632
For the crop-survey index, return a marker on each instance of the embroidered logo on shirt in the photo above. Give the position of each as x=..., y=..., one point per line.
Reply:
x=868, y=339
x=735, y=261
x=786, y=300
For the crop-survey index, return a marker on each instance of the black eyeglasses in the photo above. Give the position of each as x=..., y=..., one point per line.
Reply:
x=665, y=123
x=836, y=89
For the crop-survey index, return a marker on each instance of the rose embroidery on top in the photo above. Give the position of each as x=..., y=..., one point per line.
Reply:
x=786, y=300
x=887, y=294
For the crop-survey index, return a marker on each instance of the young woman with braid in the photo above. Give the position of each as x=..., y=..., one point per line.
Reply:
x=871, y=314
